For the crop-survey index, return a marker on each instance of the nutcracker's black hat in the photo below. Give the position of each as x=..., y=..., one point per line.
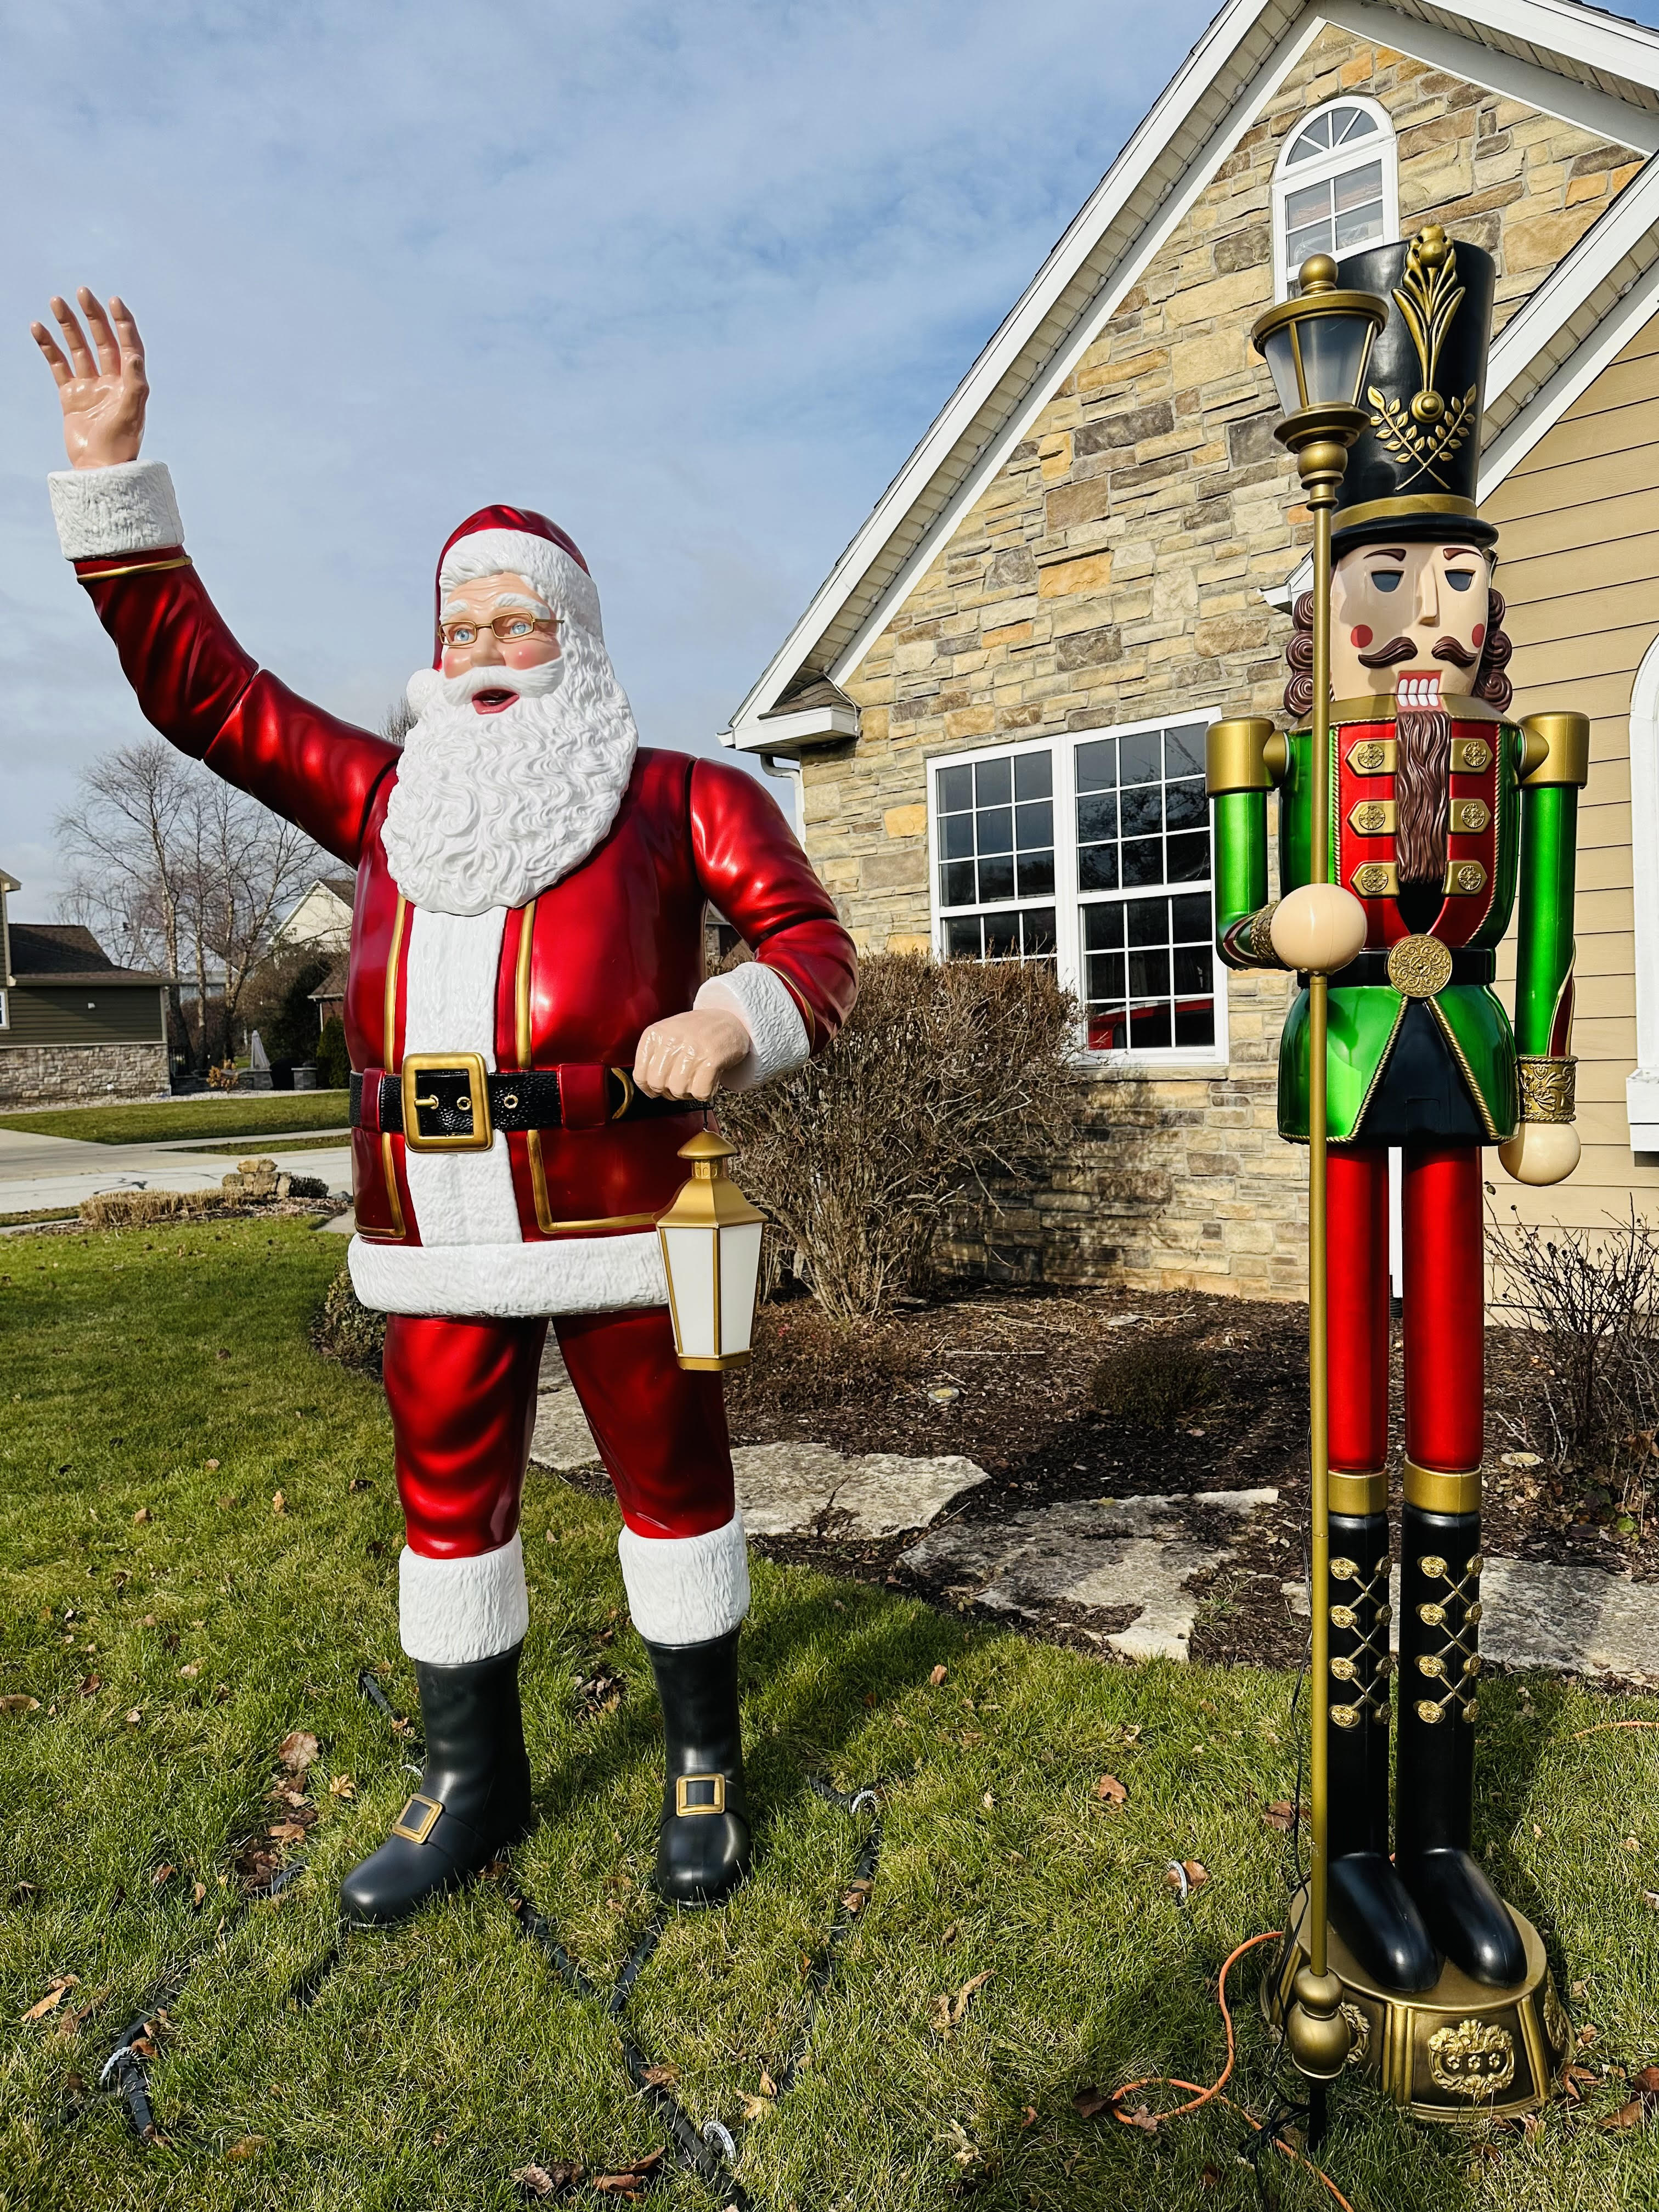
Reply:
x=1412, y=473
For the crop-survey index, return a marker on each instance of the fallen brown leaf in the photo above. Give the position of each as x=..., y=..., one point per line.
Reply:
x=142, y=1515
x=134, y=1717
x=662, y=2077
x=754, y=2108
x=249, y=2147
x=1087, y=2102
x=1631, y=2115
x=286, y=1832
x=90, y=1685
x=198, y=1893
x=1210, y=2177
x=1028, y=2117
x=546, y=2180
x=57, y=1990
x=18, y=1701
x=1140, y=2118
x=1110, y=1790
x=949, y=1934
x=279, y=1504
x=1197, y=1874
x=960, y=2001
x=769, y=2088
x=1281, y=1815
x=938, y=1675
x=342, y=1785
x=1647, y=2081
x=162, y=1874
x=631, y=2181
x=297, y=1750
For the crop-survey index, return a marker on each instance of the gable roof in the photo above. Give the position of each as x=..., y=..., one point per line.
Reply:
x=1594, y=70
x=63, y=952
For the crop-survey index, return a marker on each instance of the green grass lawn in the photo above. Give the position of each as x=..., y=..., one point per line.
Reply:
x=259, y=1114
x=168, y=1373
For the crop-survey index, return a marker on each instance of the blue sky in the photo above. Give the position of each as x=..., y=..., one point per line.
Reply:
x=691, y=278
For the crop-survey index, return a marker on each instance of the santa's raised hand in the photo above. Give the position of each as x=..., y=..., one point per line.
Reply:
x=103, y=399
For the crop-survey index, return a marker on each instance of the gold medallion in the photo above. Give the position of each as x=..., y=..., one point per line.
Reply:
x=1472, y=814
x=1419, y=967
x=1475, y=2059
x=1473, y=754
x=1375, y=880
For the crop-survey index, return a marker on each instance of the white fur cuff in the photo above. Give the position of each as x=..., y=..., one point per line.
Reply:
x=452, y=1612
x=766, y=1007
x=686, y=1589
x=567, y=1274
x=128, y=507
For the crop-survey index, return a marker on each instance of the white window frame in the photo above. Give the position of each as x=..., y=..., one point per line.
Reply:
x=1319, y=167
x=5, y=1016
x=1068, y=899
x=1642, y=1084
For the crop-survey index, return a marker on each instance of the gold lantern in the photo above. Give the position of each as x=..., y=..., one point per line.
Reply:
x=711, y=1254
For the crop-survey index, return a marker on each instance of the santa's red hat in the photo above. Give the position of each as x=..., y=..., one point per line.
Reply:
x=517, y=541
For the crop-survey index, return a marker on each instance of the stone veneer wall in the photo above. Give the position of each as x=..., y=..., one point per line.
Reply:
x=51, y=1074
x=1112, y=573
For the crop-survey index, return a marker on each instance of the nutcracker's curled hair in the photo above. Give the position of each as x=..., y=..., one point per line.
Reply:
x=1491, y=683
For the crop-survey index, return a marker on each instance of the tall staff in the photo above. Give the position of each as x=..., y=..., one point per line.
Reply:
x=1317, y=346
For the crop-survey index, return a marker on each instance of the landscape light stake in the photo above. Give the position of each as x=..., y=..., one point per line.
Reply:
x=1317, y=346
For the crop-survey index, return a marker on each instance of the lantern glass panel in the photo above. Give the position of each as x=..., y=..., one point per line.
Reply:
x=1280, y=348
x=1333, y=349
x=691, y=1256
x=740, y=1258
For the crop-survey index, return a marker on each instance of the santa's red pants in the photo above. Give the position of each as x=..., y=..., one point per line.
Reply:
x=463, y=1399
x=1443, y=1297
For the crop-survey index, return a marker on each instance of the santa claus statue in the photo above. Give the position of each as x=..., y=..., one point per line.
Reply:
x=533, y=1041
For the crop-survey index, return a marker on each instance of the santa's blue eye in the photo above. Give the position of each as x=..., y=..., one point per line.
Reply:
x=1387, y=579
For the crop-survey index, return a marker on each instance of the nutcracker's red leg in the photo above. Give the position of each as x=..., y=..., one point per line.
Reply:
x=1369, y=1904
x=1440, y=1564
x=463, y=1400
x=661, y=1433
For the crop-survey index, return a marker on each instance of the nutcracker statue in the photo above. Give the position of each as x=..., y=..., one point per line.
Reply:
x=1415, y=822
x=534, y=1044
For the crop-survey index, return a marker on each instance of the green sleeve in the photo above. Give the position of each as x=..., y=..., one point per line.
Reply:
x=1544, y=943
x=1240, y=867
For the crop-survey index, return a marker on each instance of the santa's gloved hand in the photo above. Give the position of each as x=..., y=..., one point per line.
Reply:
x=686, y=1056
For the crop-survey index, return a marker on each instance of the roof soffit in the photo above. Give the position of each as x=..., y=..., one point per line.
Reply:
x=1592, y=61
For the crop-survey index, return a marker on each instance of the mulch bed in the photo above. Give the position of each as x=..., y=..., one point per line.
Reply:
x=1064, y=1393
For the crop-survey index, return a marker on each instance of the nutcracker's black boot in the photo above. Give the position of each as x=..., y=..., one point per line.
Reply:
x=702, y=1844
x=1439, y=1683
x=473, y=1799
x=1369, y=1904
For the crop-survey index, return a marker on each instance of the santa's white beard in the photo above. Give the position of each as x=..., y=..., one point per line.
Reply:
x=490, y=810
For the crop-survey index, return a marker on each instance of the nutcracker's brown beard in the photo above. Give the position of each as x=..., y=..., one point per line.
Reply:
x=1423, y=790
x=490, y=810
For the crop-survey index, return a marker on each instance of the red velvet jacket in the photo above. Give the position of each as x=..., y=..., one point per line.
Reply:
x=614, y=946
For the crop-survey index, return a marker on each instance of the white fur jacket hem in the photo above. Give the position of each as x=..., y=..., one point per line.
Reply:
x=567, y=1275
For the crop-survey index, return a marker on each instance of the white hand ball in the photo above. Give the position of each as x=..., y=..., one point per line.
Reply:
x=1320, y=927
x=1541, y=1153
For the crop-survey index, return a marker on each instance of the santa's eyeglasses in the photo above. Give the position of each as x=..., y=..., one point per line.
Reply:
x=509, y=629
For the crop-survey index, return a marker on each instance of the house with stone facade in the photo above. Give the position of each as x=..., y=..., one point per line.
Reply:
x=73, y=1024
x=996, y=701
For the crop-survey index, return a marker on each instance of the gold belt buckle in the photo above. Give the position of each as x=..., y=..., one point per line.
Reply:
x=683, y=1786
x=1419, y=967
x=473, y=1098
x=417, y=1830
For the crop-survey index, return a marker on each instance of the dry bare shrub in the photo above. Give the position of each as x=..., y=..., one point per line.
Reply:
x=944, y=1077
x=1593, y=1298
x=347, y=1330
x=136, y=1209
x=1155, y=1380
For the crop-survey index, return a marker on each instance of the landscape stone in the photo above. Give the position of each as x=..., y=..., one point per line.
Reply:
x=800, y=1489
x=1104, y=1553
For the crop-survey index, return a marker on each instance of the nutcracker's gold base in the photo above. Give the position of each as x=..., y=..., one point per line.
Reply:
x=1459, y=2051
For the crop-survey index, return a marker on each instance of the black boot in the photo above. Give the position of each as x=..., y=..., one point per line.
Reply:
x=1439, y=1680
x=702, y=1844
x=474, y=1797
x=1369, y=1904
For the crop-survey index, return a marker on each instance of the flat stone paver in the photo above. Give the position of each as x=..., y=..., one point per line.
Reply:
x=1110, y=1553
x=1570, y=1620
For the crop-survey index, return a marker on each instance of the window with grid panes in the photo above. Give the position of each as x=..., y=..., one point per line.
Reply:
x=996, y=858
x=1143, y=872
x=1334, y=188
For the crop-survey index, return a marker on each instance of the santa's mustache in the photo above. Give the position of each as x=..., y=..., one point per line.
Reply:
x=1408, y=649
x=430, y=685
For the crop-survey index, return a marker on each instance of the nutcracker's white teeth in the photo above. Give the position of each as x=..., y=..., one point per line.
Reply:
x=1419, y=691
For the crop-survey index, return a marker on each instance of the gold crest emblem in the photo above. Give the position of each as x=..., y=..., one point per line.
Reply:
x=1465, y=878
x=1419, y=967
x=1475, y=2059
x=1473, y=813
x=1431, y=430
x=1374, y=880
x=1474, y=754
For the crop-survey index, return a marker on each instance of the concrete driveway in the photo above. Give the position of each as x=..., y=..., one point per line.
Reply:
x=36, y=1172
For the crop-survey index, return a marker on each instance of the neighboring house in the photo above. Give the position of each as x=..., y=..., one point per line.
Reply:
x=1090, y=555
x=329, y=997
x=320, y=918
x=72, y=1025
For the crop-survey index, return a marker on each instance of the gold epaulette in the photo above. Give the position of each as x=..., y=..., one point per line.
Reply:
x=1558, y=749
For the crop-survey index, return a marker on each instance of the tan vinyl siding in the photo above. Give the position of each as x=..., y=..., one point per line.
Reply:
x=1579, y=566
x=100, y=1013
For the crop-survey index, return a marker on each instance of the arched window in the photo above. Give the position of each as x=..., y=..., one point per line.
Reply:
x=1336, y=186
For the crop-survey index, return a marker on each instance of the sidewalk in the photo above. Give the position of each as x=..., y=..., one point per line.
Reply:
x=36, y=1172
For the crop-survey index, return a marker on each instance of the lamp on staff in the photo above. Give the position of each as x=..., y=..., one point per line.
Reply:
x=1317, y=346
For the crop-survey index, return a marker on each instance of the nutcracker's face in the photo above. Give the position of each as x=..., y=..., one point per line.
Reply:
x=497, y=622
x=1400, y=609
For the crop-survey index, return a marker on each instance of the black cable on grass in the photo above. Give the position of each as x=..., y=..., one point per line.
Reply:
x=697, y=2151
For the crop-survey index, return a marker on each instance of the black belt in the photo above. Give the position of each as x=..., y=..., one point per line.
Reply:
x=434, y=1103
x=1470, y=963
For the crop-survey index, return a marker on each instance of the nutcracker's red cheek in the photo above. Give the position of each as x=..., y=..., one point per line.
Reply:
x=1359, y=636
x=1478, y=634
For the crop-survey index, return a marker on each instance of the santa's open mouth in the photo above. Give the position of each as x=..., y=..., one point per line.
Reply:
x=492, y=701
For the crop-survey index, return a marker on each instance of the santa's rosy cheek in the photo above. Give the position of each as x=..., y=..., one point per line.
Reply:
x=1359, y=636
x=1478, y=634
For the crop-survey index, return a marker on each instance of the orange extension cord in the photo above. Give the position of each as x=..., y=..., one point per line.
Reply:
x=1202, y=2096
